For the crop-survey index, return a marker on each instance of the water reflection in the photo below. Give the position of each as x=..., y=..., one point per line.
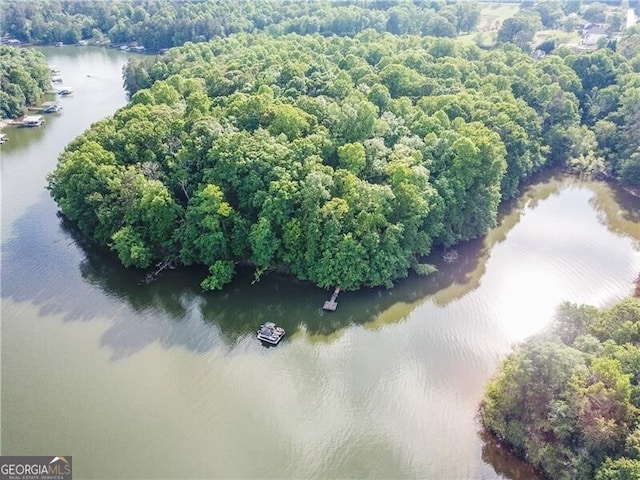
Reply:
x=19, y=138
x=173, y=310
x=503, y=461
x=618, y=210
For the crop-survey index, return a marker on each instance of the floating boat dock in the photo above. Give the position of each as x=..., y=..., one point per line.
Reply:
x=270, y=333
x=51, y=107
x=331, y=304
x=47, y=107
x=31, y=121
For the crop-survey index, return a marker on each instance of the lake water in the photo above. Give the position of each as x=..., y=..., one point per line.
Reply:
x=162, y=380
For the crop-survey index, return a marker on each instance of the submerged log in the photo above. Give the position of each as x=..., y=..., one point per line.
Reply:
x=450, y=256
x=167, y=263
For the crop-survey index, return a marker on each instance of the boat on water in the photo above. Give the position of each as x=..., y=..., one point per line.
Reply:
x=3, y=138
x=50, y=107
x=32, y=121
x=270, y=333
x=65, y=91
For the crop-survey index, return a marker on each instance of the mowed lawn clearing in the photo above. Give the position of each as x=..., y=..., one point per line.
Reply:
x=493, y=14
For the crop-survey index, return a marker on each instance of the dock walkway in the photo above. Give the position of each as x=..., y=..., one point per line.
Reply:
x=332, y=304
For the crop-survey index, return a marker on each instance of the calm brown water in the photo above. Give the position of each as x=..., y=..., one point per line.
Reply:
x=164, y=381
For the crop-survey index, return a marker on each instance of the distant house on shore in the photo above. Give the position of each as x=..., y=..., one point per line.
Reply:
x=592, y=33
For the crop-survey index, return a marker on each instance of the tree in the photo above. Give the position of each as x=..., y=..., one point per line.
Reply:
x=439, y=26
x=604, y=410
x=220, y=274
x=596, y=70
x=630, y=170
x=470, y=161
x=550, y=13
x=519, y=29
x=616, y=21
x=595, y=12
x=468, y=14
x=353, y=121
x=135, y=75
x=571, y=6
x=619, y=469
x=401, y=81
x=81, y=187
x=264, y=244
x=288, y=120
x=629, y=42
x=620, y=323
x=207, y=227
x=352, y=157
x=572, y=320
x=131, y=248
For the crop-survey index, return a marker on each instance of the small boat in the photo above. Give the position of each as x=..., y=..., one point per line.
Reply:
x=270, y=333
x=56, y=79
x=65, y=91
x=3, y=138
x=32, y=121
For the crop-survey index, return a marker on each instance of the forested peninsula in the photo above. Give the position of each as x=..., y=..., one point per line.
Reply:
x=568, y=400
x=343, y=161
x=24, y=79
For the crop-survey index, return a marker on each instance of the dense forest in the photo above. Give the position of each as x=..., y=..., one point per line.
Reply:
x=24, y=79
x=341, y=160
x=157, y=24
x=568, y=400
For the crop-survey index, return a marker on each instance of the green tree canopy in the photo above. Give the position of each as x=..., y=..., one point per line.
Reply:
x=341, y=160
x=24, y=79
x=569, y=402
